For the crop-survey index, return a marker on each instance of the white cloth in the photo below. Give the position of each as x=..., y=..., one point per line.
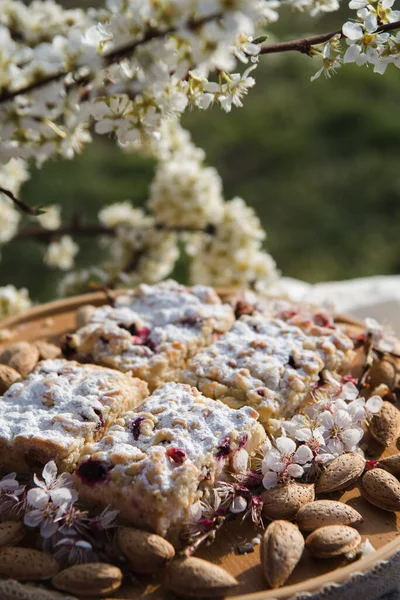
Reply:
x=376, y=297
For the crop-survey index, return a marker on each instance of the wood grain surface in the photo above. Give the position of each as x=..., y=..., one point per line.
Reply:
x=49, y=321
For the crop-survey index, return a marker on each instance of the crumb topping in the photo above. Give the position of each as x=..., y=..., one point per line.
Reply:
x=267, y=362
x=61, y=400
x=149, y=320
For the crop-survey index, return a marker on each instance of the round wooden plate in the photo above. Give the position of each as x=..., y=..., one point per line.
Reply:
x=50, y=320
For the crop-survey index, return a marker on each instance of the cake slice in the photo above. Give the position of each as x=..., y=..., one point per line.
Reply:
x=268, y=364
x=58, y=408
x=154, y=464
x=152, y=330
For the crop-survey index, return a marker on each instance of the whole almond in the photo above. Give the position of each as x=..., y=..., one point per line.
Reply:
x=197, y=578
x=13, y=590
x=89, y=579
x=333, y=540
x=11, y=532
x=385, y=426
x=341, y=473
x=391, y=464
x=8, y=376
x=21, y=356
x=84, y=314
x=381, y=489
x=47, y=351
x=146, y=552
x=285, y=500
x=326, y=512
x=27, y=564
x=281, y=550
x=383, y=371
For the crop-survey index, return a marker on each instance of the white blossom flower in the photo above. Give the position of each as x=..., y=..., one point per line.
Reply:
x=46, y=509
x=48, y=502
x=13, y=301
x=61, y=254
x=340, y=434
x=51, y=217
x=284, y=462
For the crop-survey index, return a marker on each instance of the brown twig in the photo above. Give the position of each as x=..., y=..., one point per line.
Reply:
x=30, y=210
x=205, y=537
x=46, y=235
x=304, y=45
x=79, y=227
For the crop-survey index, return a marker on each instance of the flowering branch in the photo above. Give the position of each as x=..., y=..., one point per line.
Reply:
x=114, y=56
x=304, y=45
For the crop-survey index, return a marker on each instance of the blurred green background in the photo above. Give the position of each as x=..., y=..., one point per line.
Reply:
x=319, y=162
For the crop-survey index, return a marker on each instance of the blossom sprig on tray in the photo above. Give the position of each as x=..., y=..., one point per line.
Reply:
x=333, y=423
x=51, y=505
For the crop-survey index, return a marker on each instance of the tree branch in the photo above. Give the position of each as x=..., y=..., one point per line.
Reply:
x=30, y=210
x=45, y=235
x=304, y=45
x=109, y=58
x=77, y=227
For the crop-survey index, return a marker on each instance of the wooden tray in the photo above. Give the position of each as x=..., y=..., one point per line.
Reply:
x=382, y=528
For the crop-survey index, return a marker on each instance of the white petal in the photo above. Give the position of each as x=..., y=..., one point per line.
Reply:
x=48, y=528
x=374, y=404
x=352, y=54
x=349, y=391
x=61, y=496
x=303, y=455
x=295, y=470
x=49, y=472
x=351, y=437
x=270, y=480
x=335, y=446
x=33, y=518
x=104, y=126
x=343, y=419
x=356, y=4
x=303, y=435
x=196, y=511
x=241, y=461
x=38, y=498
x=371, y=23
x=9, y=484
x=285, y=445
x=272, y=459
x=327, y=420
x=317, y=74
x=353, y=31
x=340, y=404
x=238, y=505
x=324, y=457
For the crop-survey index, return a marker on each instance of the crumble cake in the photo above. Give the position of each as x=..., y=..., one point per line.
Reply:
x=269, y=364
x=59, y=407
x=154, y=464
x=152, y=330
